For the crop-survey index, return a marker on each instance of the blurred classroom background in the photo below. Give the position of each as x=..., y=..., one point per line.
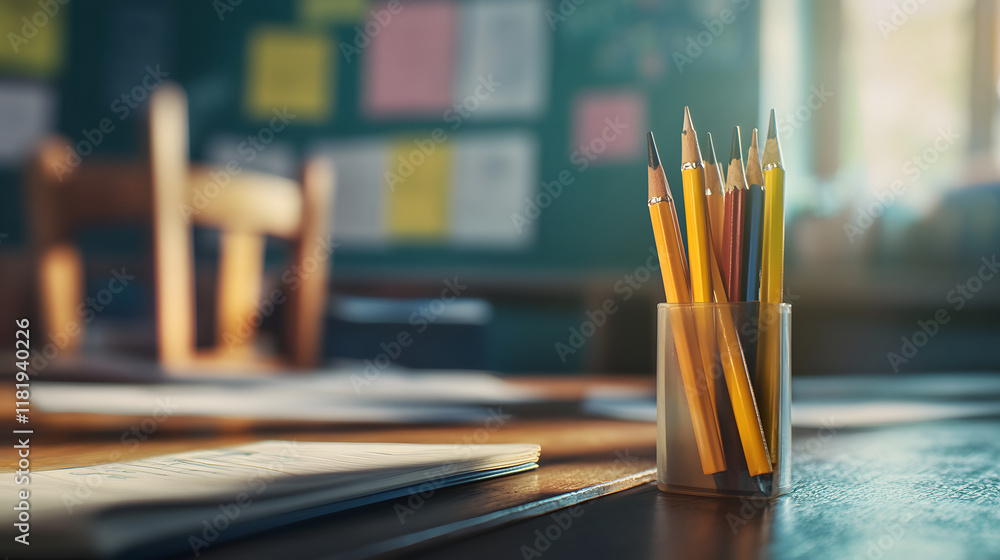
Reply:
x=489, y=160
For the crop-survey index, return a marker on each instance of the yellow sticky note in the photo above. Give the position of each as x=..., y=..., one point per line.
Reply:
x=33, y=36
x=419, y=187
x=290, y=69
x=325, y=11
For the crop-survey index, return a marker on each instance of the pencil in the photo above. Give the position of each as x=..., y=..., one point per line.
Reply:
x=736, y=182
x=699, y=244
x=715, y=193
x=772, y=272
x=753, y=225
x=663, y=214
x=707, y=286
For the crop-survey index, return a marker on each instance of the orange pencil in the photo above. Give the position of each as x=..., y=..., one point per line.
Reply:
x=737, y=182
x=663, y=214
x=715, y=194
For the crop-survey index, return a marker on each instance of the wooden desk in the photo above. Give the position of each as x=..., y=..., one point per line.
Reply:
x=911, y=491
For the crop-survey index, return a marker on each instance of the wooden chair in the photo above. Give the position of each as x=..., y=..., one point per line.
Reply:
x=159, y=191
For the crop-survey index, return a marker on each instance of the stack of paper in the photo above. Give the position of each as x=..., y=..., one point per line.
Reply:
x=185, y=503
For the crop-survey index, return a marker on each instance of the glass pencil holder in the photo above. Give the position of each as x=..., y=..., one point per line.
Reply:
x=723, y=399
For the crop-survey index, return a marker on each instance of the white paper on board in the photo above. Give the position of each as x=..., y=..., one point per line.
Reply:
x=494, y=174
x=27, y=114
x=252, y=153
x=359, y=216
x=504, y=59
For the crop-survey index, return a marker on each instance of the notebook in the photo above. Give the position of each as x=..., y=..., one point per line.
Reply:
x=188, y=502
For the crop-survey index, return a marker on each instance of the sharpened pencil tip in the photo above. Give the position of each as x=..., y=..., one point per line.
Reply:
x=658, y=187
x=735, y=177
x=654, y=157
x=709, y=150
x=690, y=151
x=736, y=151
x=772, y=148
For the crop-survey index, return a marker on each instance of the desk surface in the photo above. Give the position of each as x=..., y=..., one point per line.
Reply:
x=929, y=489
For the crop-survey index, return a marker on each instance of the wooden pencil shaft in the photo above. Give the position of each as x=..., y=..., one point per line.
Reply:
x=727, y=237
x=700, y=404
x=773, y=241
x=696, y=219
x=700, y=255
x=673, y=268
x=741, y=395
x=736, y=248
x=753, y=229
x=772, y=261
x=717, y=220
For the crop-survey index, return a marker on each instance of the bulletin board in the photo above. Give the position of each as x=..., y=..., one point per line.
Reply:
x=538, y=169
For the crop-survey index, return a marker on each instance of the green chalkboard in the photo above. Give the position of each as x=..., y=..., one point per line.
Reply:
x=671, y=54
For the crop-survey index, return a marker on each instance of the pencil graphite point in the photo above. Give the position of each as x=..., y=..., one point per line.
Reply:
x=709, y=150
x=772, y=130
x=654, y=157
x=690, y=152
x=715, y=183
x=658, y=187
x=736, y=150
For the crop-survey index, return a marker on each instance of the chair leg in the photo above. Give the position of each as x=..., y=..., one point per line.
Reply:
x=241, y=267
x=174, y=256
x=312, y=257
x=61, y=289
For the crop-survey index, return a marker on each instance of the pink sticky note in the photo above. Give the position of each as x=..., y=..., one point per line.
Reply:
x=408, y=65
x=608, y=126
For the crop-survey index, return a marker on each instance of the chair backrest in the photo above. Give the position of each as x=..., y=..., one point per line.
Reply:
x=249, y=207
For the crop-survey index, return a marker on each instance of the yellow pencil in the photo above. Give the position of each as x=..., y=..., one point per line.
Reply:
x=699, y=244
x=771, y=281
x=663, y=214
x=707, y=286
